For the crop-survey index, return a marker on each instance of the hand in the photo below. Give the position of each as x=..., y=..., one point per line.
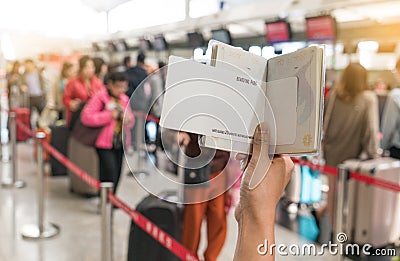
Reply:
x=74, y=105
x=115, y=114
x=263, y=183
x=262, y=186
x=183, y=138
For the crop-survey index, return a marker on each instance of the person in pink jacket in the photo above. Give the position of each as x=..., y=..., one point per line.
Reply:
x=106, y=109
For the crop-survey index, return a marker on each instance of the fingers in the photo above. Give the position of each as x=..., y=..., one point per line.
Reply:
x=243, y=159
x=240, y=156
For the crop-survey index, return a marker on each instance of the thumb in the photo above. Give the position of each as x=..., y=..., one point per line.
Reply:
x=261, y=141
x=260, y=159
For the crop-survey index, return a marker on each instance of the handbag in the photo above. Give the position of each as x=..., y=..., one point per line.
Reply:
x=82, y=133
x=76, y=115
x=198, y=176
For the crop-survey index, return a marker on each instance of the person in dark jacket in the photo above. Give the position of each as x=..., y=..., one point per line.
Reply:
x=139, y=100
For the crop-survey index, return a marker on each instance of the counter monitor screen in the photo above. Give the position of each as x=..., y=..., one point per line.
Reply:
x=277, y=32
x=320, y=28
x=144, y=45
x=222, y=35
x=159, y=43
x=121, y=45
x=195, y=39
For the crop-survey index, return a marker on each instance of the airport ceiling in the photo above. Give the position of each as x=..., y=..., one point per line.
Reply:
x=106, y=5
x=48, y=23
x=53, y=18
x=103, y=5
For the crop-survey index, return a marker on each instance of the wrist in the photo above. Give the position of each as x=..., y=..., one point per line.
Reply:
x=261, y=220
x=252, y=233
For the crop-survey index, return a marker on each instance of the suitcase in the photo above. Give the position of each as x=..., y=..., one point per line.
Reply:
x=23, y=115
x=373, y=213
x=310, y=186
x=59, y=140
x=85, y=157
x=166, y=215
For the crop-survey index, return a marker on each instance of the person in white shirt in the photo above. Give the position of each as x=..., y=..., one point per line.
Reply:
x=33, y=83
x=391, y=120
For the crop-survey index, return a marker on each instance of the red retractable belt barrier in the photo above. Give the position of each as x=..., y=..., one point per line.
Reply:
x=146, y=116
x=375, y=181
x=149, y=227
x=157, y=233
x=64, y=160
x=353, y=175
x=323, y=169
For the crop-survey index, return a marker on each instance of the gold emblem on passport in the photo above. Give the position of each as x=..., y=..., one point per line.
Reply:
x=307, y=139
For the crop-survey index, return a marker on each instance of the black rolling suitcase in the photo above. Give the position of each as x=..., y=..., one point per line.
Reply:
x=166, y=215
x=59, y=140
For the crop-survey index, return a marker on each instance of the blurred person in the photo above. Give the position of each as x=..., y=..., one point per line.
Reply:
x=213, y=210
x=14, y=83
x=33, y=83
x=136, y=75
x=127, y=62
x=101, y=68
x=157, y=89
x=255, y=213
x=157, y=84
x=67, y=72
x=80, y=88
x=391, y=120
x=351, y=124
x=140, y=101
x=106, y=109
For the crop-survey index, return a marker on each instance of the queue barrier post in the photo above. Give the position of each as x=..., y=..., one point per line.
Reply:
x=41, y=229
x=106, y=226
x=340, y=204
x=14, y=182
x=140, y=125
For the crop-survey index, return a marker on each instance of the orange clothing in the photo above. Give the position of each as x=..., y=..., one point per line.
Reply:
x=214, y=211
x=76, y=89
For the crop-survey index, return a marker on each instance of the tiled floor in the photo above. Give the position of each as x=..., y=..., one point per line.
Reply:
x=79, y=237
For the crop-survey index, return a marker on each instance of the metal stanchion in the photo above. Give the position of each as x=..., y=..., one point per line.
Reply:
x=140, y=146
x=181, y=174
x=41, y=229
x=106, y=230
x=341, y=202
x=14, y=183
